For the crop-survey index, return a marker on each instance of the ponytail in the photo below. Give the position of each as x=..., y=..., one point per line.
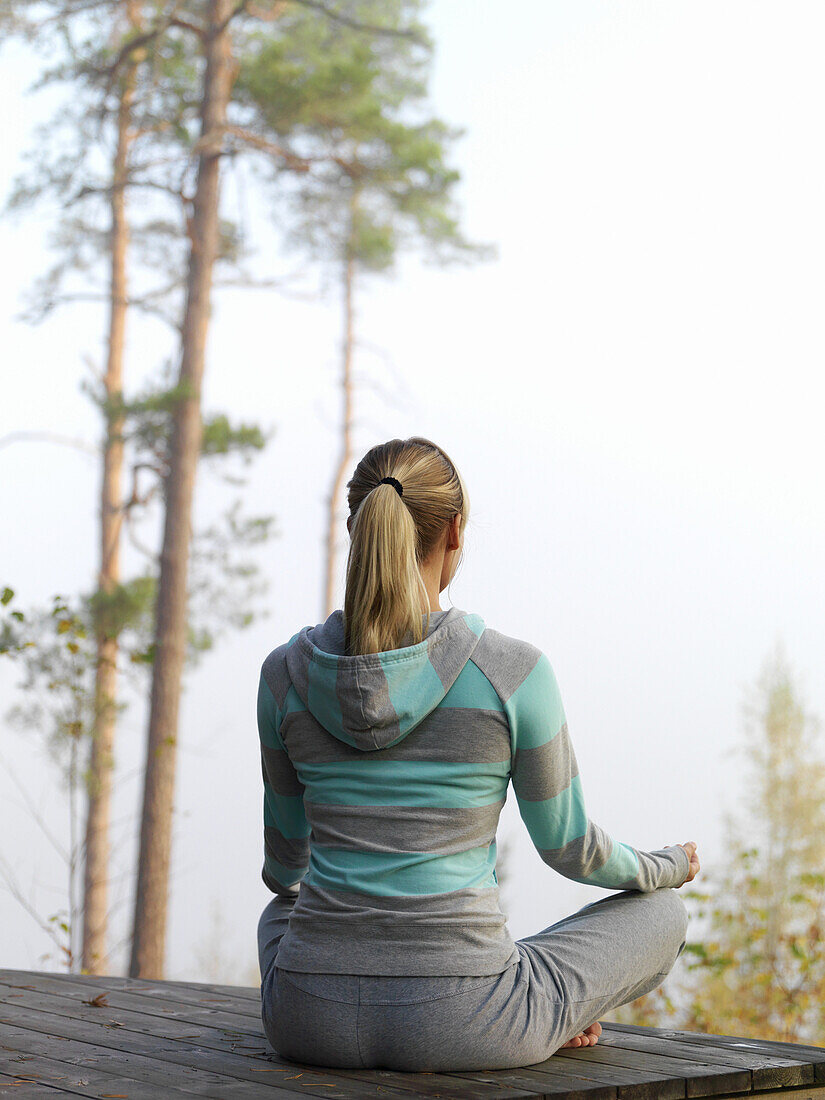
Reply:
x=391, y=534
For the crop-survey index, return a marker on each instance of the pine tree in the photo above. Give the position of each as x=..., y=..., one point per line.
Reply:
x=756, y=966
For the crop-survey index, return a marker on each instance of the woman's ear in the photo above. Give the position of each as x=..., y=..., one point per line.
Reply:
x=454, y=537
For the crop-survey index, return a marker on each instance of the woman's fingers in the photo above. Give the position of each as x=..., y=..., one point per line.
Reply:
x=693, y=859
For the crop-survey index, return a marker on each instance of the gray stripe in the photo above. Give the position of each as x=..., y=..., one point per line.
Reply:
x=275, y=886
x=664, y=866
x=296, y=668
x=275, y=674
x=364, y=693
x=404, y=828
x=545, y=771
x=397, y=935
x=289, y=852
x=448, y=655
x=278, y=771
x=505, y=661
x=582, y=856
x=453, y=735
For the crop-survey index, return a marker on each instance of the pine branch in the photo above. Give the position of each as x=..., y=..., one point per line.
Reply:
x=268, y=15
x=292, y=160
x=356, y=25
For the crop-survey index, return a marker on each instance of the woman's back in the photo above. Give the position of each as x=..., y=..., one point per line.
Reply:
x=396, y=765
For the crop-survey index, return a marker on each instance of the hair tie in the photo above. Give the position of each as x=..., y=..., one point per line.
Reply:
x=391, y=481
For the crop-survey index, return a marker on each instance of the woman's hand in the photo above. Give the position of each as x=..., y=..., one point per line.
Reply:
x=690, y=848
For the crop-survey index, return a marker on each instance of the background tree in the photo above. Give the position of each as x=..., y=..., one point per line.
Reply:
x=214, y=24
x=113, y=21
x=756, y=963
x=129, y=67
x=355, y=107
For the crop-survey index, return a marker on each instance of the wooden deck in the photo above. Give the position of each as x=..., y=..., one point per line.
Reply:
x=63, y=1035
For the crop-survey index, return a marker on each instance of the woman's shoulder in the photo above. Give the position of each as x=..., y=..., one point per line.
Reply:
x=274, y=671
x=506, y=660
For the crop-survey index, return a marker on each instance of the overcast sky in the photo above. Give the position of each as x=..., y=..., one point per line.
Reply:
x=631, y=391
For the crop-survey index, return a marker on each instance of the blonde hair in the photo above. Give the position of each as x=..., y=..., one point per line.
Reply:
x=391, y=535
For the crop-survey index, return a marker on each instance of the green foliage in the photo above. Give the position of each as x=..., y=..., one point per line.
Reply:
x=756, y=964
x=13, y=639
x=58, y=686
x=353, y=106
x=81, y=42
x=225, y=584
x=754, y=975
x=128, y=606
x=222, y=438
x=145, y=425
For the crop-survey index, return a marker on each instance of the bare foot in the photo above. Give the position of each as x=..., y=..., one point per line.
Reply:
x=587, y=1038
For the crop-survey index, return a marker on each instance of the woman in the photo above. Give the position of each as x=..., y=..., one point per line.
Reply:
x=389, y=734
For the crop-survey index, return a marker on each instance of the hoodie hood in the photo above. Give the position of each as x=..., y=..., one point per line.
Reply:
x=373, y=700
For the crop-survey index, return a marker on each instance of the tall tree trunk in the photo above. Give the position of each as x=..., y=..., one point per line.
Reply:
x=151, y=901
x=346, y=429
x=101, y=763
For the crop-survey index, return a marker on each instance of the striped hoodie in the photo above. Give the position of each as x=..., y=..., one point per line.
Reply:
x=384, y=777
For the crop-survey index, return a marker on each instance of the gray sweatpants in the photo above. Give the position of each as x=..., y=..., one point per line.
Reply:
x=567, y=976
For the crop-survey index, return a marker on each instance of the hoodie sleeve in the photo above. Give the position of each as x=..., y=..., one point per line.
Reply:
x=548, y=789
x=286, y=830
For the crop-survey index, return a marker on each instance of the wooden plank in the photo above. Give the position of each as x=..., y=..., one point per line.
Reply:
x=16, y=1089
x=763, y=1047
x=783, y=1058
x=211, y=1051
x=246, y=999
x=571, y=1086
x=709, y=1079
x=813, y=1092
x=92, y=1062
x=650, y=1039
x=628, y=1082
x=179, y=1054
x=78, y=992
x=547, y=1082
x=89, y=1081
x=123, y=1049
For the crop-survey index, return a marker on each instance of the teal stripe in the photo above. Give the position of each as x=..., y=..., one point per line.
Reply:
x=556, y=821
x=475, y=623
x=286, y=813
x=621, y=866
x=415, y=688
x=472, y=689
x=535, y=710
x=286, y=876
x=396, y=874
x=322, y=699
x=404, y=783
